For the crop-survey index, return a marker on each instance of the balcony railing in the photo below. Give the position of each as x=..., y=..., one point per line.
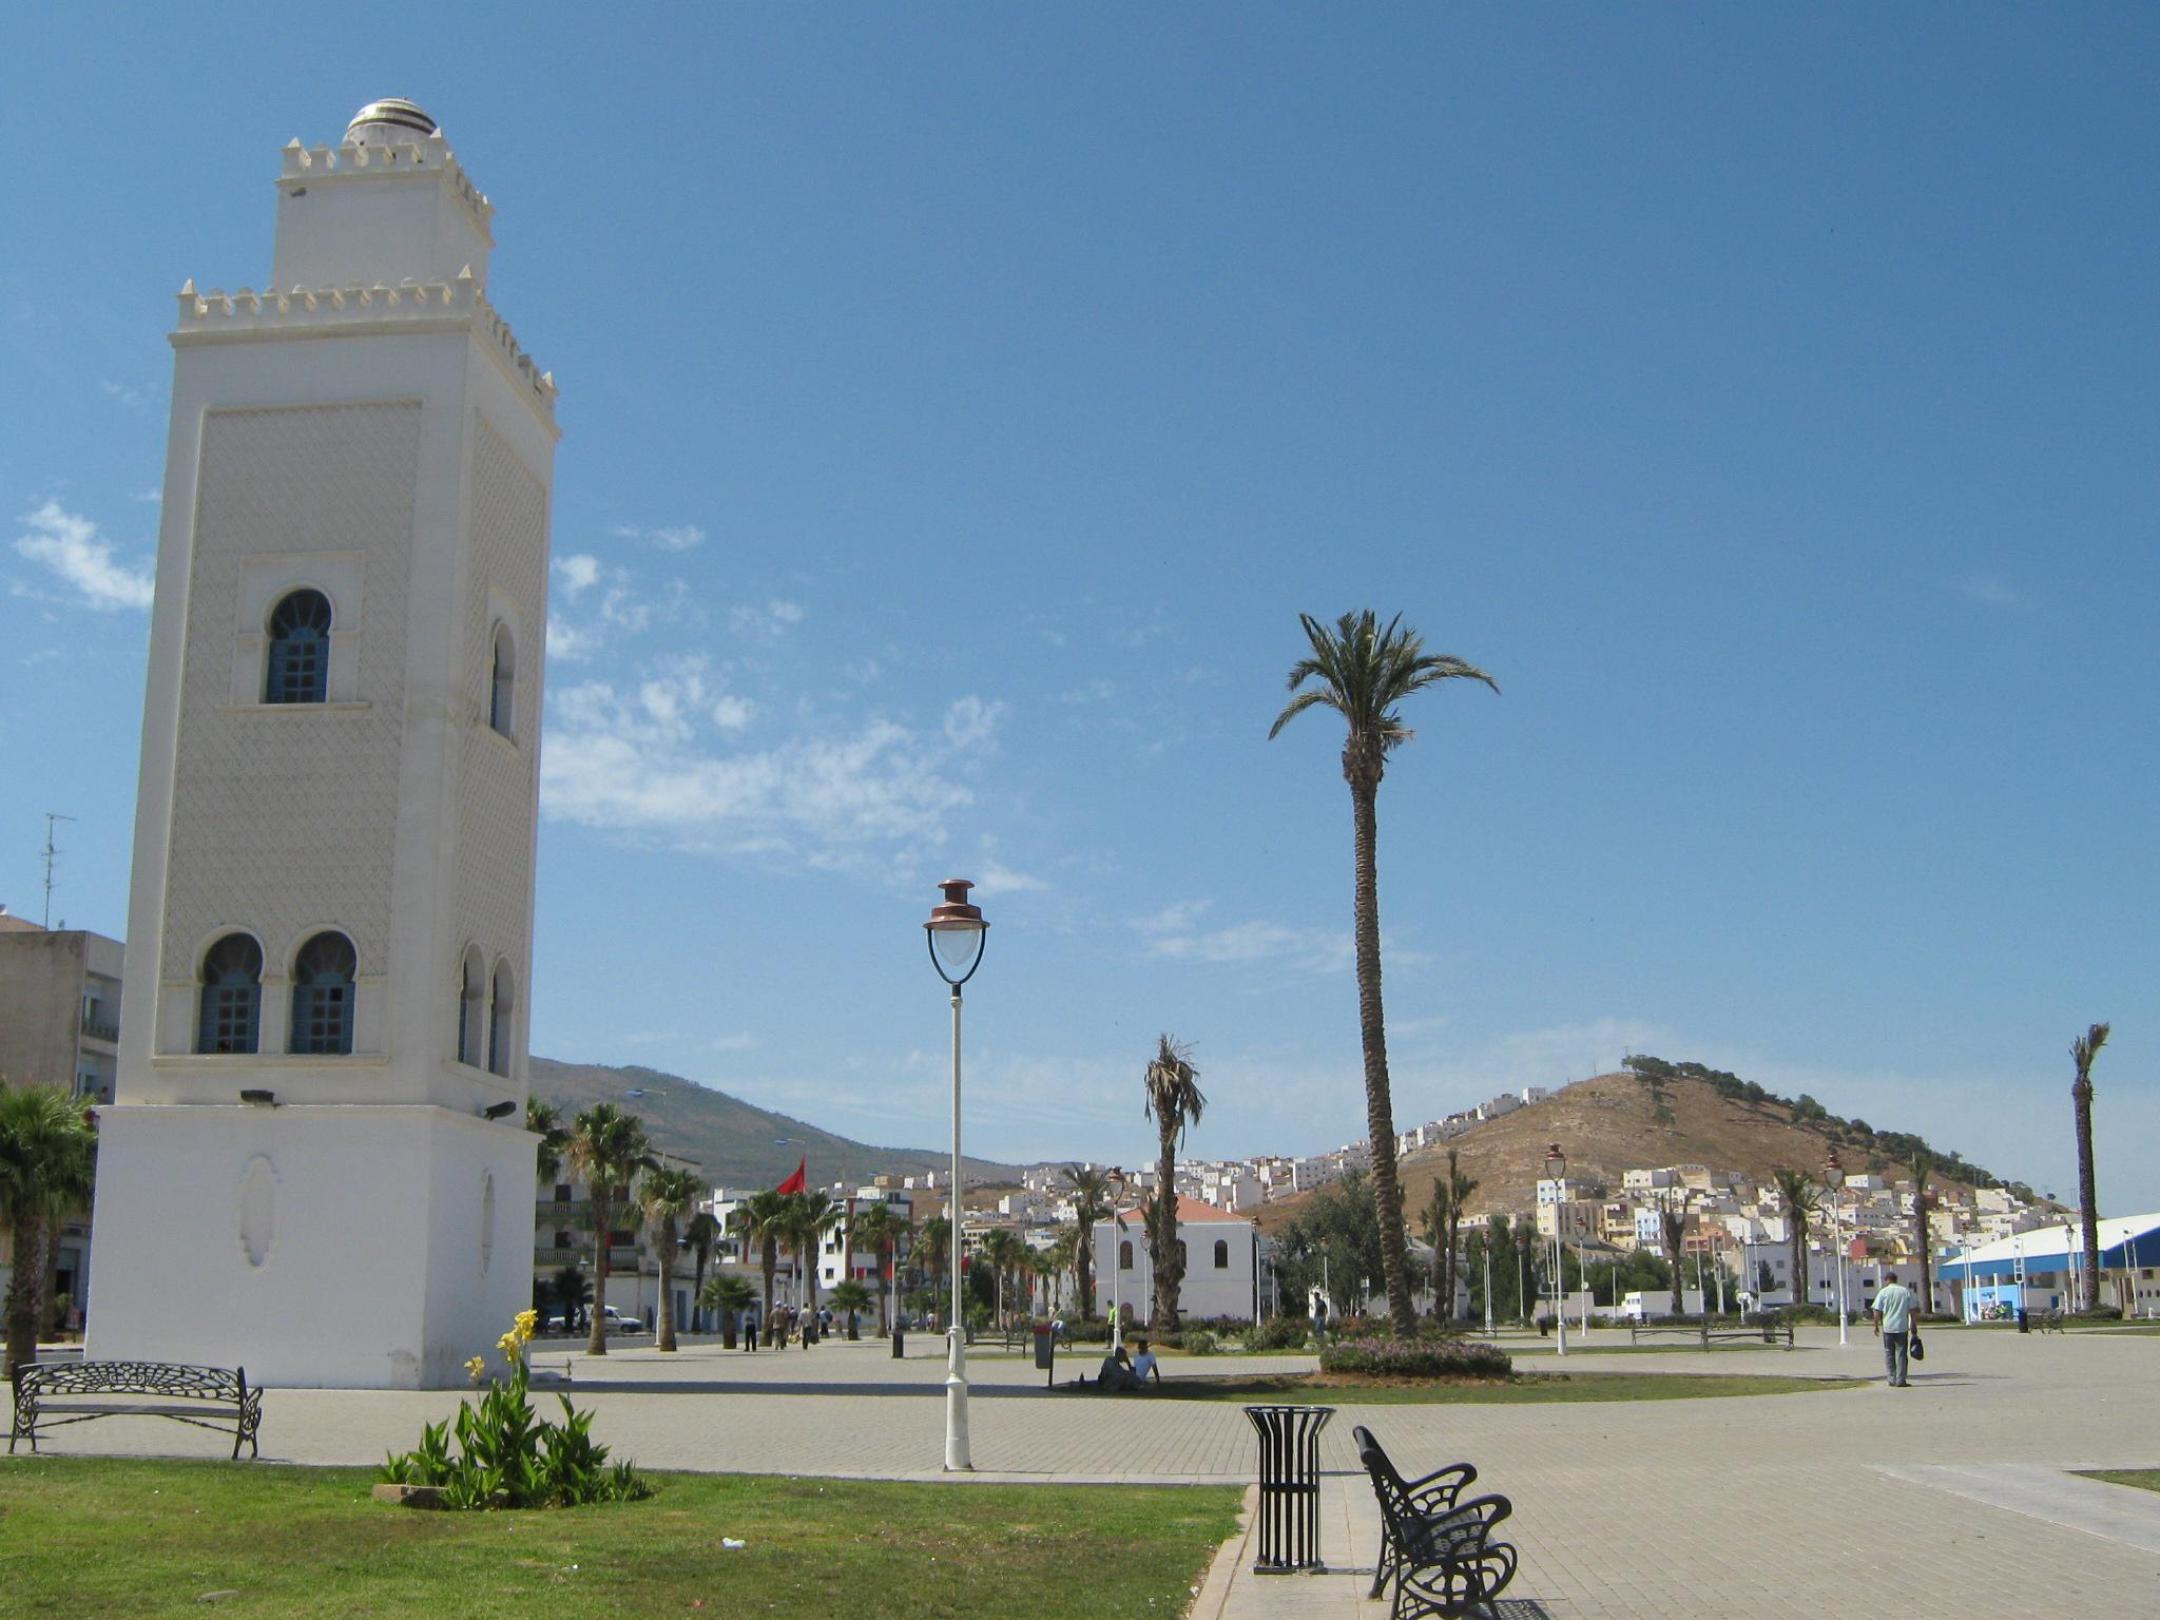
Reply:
x=100, y=1028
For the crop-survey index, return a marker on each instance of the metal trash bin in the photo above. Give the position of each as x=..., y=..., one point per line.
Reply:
x=899, y=1342
x=1289, y=1487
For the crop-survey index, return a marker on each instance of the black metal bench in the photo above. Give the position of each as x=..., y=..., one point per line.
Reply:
x=53, y=1394
x=1705, y=1335
x=1437, y=1549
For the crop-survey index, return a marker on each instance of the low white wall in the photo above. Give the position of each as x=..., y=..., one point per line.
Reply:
x=316, y=1246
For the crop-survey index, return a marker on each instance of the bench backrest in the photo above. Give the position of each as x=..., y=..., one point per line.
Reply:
x=45, y=1379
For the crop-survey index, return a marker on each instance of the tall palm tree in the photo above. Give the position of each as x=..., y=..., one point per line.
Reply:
x=876, y=1227
x=1801, y=1199
x=1440, y=1223
x=998, y=1248
x=48, y=1162
x=1362, y=671
x=664, y=1194
x=1091, y=1203
x=702, y=1233
x=727, y=1296
x=609, y=1150
x=1060, y=1258
x=544, y=1120
x=1459, y=1188
x=1923, y=1164
x=815, y=1214
x=2082, y=1052
x=761, y=1221
x=935, y=1246
x=1174, y=1101
x=1672, y=1221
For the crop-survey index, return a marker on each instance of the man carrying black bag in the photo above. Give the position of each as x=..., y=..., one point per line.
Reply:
x=1893, y=1313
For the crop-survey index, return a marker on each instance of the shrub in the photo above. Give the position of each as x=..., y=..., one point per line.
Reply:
x=1277, y=1333
x=1199, y=1342
x=1417, y=1358
x=1094, y=1330
x=508, y=1457
x=2098, y=1313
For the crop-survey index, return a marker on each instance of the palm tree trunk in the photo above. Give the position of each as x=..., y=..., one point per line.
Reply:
x=596, y=1342
x=22, y=1297
x=1453, y=1232
x=2081, y=1095
x=1372, y=1027
x=1799, y=1260
x=769, y=1257
x=667, y=1277
x=1166, y=1267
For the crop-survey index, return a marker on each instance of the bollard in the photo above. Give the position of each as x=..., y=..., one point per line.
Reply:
x=1289, y=1487
x=899, y=1342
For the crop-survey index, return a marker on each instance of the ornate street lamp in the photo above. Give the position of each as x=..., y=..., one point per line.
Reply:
x=955, y=931
x=1834, y=1176
x=1556, y=1173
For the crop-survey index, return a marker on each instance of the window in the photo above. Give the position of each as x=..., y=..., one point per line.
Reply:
x=230, y=1015
x=562, y=1240
x=471, y=991
x=500, y=1010
x=322, y=997
x=562, y=1192
x=1222, y=1254
x=1124, y=1255
x=502, y=687
x=298, y=668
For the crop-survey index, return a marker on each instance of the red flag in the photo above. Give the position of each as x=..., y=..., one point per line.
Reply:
x=798, y=1182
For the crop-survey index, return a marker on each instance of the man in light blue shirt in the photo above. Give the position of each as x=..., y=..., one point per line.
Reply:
x=1893, y=1313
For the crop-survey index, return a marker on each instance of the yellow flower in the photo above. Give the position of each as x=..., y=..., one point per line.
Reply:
x=476, y=1368
x=508, y=1344
x=528, y=1323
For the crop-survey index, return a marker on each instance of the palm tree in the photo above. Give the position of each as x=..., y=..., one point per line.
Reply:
x=1058, y=1259
x=1443, y=1227
x=609, y=1150
x=852, y=1297
x=2082, y=1052
x=1174, y=1101
x=814, y=1215
x=663, y=1195
x=702, y=1233
x=1923, y=1164
x=1672, y=1221
x=935, y=1245
x=1799, y=1196
x=877, y=1228
x=48, y=1162
x=1091, y=1203
x=1363, y=671
x=727, y=1296
x=545, y=1122
x=761, y=1221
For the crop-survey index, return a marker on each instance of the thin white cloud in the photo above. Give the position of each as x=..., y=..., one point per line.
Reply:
x=72, y=548
x=125, y=394
x=654, y=760
x=674, y=537
x=580, y=573
x=733, y=1043
x=1989, y=590
x=733, y=713
x=971, y=721
x=768, y=622
x=567, y=642
x=996, y=878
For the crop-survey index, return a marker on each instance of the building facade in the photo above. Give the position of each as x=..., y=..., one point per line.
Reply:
x=319, y=1120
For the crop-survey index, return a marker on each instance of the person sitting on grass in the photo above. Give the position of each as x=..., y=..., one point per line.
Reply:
x=1115, y=1375
x=1144, y=1368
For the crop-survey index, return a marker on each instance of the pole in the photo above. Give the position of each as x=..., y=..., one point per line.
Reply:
x=1559, y=1289
x=957, y=1458
x=1488, y=1279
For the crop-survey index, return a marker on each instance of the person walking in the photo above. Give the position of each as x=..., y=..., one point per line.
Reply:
x=1893, y=1313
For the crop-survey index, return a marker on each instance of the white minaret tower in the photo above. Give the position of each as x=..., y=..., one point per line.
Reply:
x=316, y=1165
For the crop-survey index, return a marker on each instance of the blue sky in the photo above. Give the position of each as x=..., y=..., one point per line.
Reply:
x=961, y=403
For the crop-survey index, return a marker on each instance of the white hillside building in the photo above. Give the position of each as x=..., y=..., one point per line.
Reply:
x=317, y=1166
x=1222, y=1263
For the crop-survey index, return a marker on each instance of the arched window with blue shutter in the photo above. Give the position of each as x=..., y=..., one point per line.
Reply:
x=298, y=667
x=322, y=997
x=502, y=1010
x=472, y=1000
x=229, y=1018
x=502, y=686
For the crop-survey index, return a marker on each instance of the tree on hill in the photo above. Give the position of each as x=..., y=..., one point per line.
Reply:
x=1362, y=672
x=1174, y=1101
x=2082, y=1052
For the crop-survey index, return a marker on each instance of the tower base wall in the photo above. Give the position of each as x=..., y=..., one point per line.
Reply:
x=362, y=1247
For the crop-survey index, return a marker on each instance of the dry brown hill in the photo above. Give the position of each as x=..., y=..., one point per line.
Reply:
x=1608, y=1125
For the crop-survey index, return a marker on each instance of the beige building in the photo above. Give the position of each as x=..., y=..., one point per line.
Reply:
x=59, y=1026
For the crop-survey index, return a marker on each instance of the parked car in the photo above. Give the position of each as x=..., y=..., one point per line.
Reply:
x=619, y=1323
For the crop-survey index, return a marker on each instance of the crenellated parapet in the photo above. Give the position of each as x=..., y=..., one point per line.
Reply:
x=355, y=160
x=326, y=311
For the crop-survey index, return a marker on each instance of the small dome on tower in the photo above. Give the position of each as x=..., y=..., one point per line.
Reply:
x=392, y=121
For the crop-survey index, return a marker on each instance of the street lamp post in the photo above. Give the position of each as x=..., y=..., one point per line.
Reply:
x=1556, y=1173
x=1834, y=1174
x=955, y=932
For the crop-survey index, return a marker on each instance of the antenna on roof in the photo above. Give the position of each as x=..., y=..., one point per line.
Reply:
x=52, y=854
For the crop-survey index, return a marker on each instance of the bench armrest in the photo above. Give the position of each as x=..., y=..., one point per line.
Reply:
x=1440, y=1488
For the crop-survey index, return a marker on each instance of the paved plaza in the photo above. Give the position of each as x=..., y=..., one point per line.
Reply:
x=1954, y=1494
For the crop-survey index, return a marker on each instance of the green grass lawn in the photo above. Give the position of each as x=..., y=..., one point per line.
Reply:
x=86, y=1537
x=1532, y=1389
x=2145, y=1479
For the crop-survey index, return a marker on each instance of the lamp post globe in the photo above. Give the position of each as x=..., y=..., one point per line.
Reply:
x=955, y=932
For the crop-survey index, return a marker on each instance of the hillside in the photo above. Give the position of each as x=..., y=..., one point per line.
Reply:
x=733, y=1143
x=1608, y=1125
